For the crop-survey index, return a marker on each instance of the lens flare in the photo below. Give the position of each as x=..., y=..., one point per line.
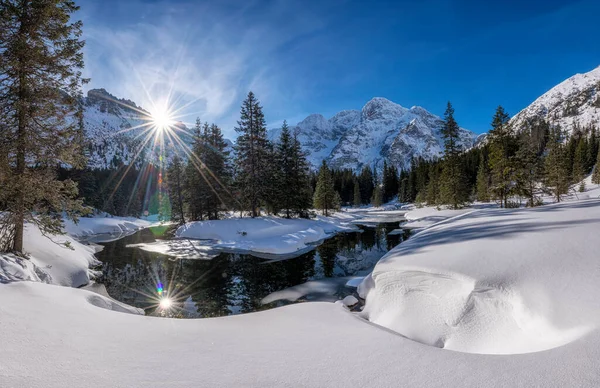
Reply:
x=161, y=119
x=165, y=303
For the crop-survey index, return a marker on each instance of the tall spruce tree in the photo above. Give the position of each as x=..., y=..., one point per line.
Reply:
x=217, y=173
x=291, y=175
x=390, y=182
x=175, y=179
x=195, y=187
x=326, y=198
x=356, y=201
x=252, y=156
x=500, y=160
x=40, y=114
x=367, y=184
x=596, y=174
x=453, y=189
x=556, y=165
x=528, y=168
x=483, y=180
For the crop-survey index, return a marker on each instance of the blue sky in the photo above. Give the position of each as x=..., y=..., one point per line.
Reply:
x=303, y=57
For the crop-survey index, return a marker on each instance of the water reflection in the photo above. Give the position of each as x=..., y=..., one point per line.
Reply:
x=232, y=283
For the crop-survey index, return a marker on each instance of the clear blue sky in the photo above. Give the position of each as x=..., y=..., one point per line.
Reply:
x=303, y=57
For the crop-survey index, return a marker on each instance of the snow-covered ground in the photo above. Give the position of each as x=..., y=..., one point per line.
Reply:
x=106, y=225
x=50, y=260
x=498, y=281
x=263, y=235
x=523, y=283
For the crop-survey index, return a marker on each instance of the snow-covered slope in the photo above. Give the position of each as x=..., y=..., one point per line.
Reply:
x=573, y=101
x=382, y=130
x=114, y=131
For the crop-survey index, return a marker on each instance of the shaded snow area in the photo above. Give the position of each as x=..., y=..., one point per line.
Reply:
x=495, y=281
x=105, y=224
x=270, y=235
x=50, y=261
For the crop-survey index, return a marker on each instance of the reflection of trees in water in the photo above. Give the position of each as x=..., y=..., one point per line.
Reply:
x=258, y=278
x=234, y=282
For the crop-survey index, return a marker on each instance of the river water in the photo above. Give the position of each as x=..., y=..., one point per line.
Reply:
x=234, y=283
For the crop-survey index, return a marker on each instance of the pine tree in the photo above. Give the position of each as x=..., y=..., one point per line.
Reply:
x=175, y=177
x=579, y=160
x=556, y=165
x=252, y=154
x=326, y=198
x=366, y=182
x=40, y=88
x=357, y=201
x=528, y=168
x=195, y=187
x=501, y=156
x=301, y=179
x=291, y=175
x=452, y=185
x=217, y=174
x=377, y=199
x=483, y=180
x=596, y=174
x=390, y=182
x=432, y=194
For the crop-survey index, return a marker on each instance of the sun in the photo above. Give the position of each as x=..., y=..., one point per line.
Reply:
x=161, y=119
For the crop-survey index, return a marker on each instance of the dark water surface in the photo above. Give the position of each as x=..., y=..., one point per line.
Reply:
x=234, y=283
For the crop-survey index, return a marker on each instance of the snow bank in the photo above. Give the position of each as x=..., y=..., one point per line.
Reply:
x=104, y=224
x=54, y=337
x=50, y=260
x=265, y=234
x=497, y=281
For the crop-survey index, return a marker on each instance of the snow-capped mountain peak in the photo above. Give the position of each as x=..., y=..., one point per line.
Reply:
x=573, y=102
x=381, y=130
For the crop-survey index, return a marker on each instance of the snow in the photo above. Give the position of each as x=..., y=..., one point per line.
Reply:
x=50, y=260
x=272, y=235
x=494, y=281
x=581, y=91
x=519, y=282
x=349, y=301
x=105, y=224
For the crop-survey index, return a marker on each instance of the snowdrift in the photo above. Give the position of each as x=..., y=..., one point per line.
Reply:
x=271, y=235
x=494, y=281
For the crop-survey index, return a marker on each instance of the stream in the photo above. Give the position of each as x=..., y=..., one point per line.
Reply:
x=234, y=283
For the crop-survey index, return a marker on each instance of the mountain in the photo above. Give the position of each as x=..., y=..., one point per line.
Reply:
x=113, y=133
x=381, y=130
x=574, y=102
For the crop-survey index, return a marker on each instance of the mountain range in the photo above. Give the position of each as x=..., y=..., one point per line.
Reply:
x=381, y=130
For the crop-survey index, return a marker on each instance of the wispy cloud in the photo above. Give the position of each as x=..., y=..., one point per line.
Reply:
x=202, y=58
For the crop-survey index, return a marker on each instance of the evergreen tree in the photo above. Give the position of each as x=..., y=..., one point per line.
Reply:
x=452, y=185
x=580, y=160
x=326, y=198
x=195, y=187
x=390, y=182
x=596, y=174
x=252, y=154
x=175, y=177
x=556, y=165
x=291, y=175
x=483, y=181
x=528, y=168
x=377, y=199
x=357, y=201
x=366, y=183
x=432, y=195
x=500, y=161
x=40, y=88
x=217, y=174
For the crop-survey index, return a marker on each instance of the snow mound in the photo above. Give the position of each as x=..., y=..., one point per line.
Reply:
x=455, y=313
x=460, y=285
x=111, y=304
x=264, y=234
